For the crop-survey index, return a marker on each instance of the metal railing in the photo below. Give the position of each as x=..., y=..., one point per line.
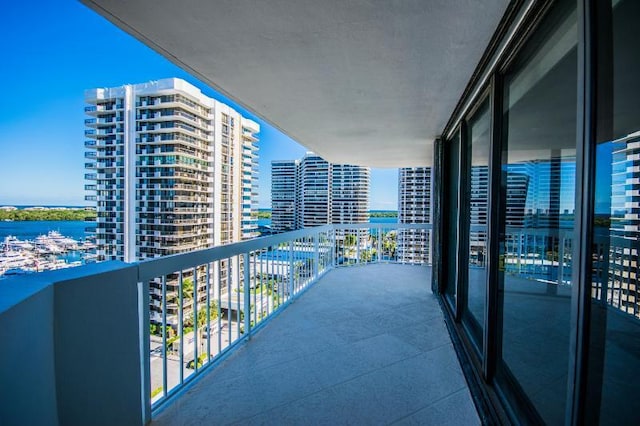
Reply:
x=198, y=306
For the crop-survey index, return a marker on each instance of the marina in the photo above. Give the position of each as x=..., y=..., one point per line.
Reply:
x=45, y=252
x=35, y=246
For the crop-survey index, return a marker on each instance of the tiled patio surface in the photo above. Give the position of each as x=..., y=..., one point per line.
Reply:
x=365, y=345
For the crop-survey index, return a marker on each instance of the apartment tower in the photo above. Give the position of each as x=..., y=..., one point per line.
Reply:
x=414, y=206
x=171, y=169
x=313, y=192
x=283, y=195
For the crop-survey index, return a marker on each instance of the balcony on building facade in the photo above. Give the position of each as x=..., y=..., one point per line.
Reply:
x=384, y=302
x=529, y=119
x=363, y=322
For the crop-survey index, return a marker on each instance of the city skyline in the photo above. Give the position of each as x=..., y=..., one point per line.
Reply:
x=311, y=191
x=44, y=120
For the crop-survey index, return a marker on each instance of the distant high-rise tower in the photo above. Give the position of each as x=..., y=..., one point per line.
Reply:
x=349, y=193
x=283, y=195
x=414, y=206
x=319, y=193
x=172, y=169
x=314, y=183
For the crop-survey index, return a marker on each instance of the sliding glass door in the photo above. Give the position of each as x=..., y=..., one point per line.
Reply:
x=537, y=214
x=476, y=200
x=451, y=201
x=614, y=350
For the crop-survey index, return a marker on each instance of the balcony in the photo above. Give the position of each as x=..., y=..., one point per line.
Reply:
x=355, y=346
x=365, y=342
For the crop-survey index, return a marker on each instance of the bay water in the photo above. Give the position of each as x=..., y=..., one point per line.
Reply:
x=29, y=230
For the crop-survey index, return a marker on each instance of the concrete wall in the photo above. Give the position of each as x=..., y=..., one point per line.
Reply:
x=27, y=370
x=74, y=344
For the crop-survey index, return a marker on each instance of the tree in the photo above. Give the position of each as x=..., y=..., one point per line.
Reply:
x=187, y=288
x=202, y=315
x=350, y=240
x=389, y=243
x=50, y=214
x=365, y=256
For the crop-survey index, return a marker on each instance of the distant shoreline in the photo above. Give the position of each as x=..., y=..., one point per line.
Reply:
x=264, y=213
x=44, y=206
x=34, y=212
x=45, y=214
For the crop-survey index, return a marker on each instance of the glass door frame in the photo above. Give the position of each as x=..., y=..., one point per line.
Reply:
x=491, y=399
x=464, y=224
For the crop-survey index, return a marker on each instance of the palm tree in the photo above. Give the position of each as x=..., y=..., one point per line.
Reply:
x=187, y=288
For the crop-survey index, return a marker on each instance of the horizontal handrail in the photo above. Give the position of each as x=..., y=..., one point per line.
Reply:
x=149, y=269
x=164, y=265
x=348, y=226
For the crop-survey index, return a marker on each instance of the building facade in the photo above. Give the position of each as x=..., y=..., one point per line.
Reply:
x=171, y=170
x=414, y=206
x=349, y=193
x=283, y=195
x=313, y=192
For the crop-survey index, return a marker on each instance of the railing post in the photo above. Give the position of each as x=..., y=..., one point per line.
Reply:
x=606, y=249
x=379, y=244
x=165, y=389
x=316, y=256
x=561, y=260
x=357, y=246
x=522, y=239
x=332, y=249
x=291, y=269
x=208, y=290
x=247, y=297
x=145, y=349
x=194, y=308
x=236, y=261
x=430, y=245
x=181, y=326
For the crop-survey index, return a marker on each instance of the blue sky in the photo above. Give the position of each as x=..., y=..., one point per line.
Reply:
x=53, y=51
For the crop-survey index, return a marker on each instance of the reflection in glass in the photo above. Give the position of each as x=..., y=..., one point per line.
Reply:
x=478, y=192
x=537, y=215
x=614, y=358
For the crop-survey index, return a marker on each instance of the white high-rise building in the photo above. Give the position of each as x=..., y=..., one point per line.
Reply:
x=173, y=170
x=350, y=193
x=414, y=206
x=313, y=192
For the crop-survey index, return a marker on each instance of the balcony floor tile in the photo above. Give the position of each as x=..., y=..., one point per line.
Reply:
x=365, y=345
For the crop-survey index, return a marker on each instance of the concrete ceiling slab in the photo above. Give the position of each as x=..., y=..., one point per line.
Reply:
x=368, y=82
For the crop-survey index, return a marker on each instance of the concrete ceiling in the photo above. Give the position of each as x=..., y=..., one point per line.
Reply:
x=369, y=82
